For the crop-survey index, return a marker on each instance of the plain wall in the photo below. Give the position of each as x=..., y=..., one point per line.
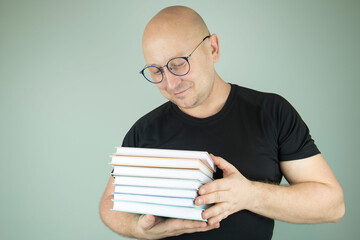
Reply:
x=70, y=89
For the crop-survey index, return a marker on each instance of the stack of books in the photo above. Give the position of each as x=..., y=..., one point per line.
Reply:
x=160, y=182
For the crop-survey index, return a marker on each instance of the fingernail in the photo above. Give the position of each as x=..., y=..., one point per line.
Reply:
x=202, y=191
x=200, y=201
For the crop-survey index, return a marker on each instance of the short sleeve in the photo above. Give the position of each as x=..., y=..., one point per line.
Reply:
x=294, y=139
x=131, y=138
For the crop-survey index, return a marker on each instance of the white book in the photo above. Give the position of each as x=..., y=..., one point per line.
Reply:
x=174, y=201
x=167, y=153
x=182, y=163
x=159, y=210
x=158, y=182
x=157, y=191
x=162, y=173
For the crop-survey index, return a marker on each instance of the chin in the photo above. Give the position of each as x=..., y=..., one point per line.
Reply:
x=186, y=105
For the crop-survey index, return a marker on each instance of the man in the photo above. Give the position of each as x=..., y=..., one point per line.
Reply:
x=256, y=138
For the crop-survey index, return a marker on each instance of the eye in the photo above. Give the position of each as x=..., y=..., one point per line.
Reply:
x=177, y=65
x=180, y=65
x=155, y=70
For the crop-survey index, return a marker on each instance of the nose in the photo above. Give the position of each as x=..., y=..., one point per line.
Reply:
x=171, y=79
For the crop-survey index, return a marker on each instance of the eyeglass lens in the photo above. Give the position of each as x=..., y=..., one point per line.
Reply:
x=178, y=66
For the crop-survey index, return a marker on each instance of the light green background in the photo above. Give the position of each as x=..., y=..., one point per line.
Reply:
x=70, y=90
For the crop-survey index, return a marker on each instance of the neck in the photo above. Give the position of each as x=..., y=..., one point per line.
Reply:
x=213, y=103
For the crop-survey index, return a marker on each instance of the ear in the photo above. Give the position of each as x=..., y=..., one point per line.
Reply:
x=215, y=47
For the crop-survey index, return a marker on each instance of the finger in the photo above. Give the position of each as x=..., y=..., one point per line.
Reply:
x=178, y=224
x=224, y=165
x=216, y=185
x=216, y=210
x=208, y=227
x=214, y=197
x=189, y=224
x=147, y=221
x=158, y=219
x=216, y=219
x=192, y=230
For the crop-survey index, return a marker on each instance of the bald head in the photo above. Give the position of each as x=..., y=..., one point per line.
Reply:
x=175, y=23
x=169, y=40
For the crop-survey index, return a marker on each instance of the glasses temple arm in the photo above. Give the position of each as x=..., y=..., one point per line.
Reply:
x=208, y=36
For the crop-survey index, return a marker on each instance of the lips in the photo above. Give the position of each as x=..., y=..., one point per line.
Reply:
x=181, y=93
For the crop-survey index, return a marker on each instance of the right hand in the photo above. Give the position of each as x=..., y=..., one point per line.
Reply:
x=153, y=227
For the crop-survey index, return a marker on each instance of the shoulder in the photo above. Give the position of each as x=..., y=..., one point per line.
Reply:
x=265, y=101
x=264, y=106
x=154, y=115
x=148, y=122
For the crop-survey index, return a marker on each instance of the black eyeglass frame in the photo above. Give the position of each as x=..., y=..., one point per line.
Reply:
x=169, y=68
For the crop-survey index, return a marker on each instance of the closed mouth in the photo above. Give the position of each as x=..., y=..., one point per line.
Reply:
x=181, y=92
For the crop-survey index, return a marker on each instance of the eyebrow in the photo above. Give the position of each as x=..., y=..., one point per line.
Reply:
x=159, y=65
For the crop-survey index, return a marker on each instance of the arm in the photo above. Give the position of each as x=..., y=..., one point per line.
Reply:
x=314, y=195
x=120, y=222
x=145, y=226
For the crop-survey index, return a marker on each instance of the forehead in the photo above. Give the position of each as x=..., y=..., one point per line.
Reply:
x=159, y=49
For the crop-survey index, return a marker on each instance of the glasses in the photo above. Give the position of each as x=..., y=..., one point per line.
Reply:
x=178, y=66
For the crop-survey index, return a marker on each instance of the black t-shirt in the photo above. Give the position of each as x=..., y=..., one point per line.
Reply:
x=253, y=131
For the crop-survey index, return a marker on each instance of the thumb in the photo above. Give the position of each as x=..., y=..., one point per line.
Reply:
x=225, y=166
x=147, y=221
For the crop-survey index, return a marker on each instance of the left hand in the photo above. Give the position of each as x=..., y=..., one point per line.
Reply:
x=230, y=194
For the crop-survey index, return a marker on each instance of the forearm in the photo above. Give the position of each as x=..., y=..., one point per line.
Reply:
x=120, y=222
x=308, y=202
